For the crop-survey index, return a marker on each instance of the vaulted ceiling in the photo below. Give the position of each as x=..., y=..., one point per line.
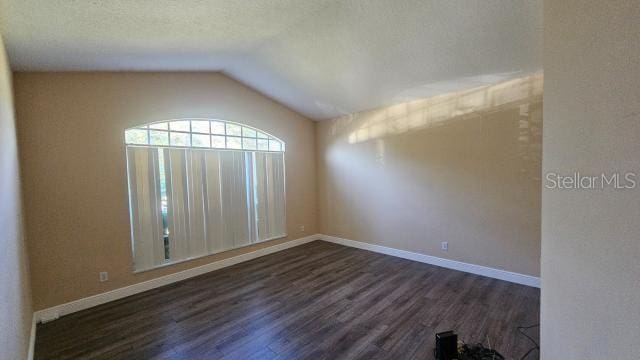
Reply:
x=322, y=58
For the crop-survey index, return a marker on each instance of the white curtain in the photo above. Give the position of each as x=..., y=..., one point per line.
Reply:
x=269, y=195
x=186, y=231
x=235, y=221
x=217, y=200
x=197, y=204
x=213, y=203
x=145, y=211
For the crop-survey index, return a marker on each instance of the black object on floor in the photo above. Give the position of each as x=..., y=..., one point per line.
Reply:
x=446, y=345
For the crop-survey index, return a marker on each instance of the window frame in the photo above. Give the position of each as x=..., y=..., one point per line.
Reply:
x=147, y=127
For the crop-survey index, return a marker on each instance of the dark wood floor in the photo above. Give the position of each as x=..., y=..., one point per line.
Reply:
x=316, y=301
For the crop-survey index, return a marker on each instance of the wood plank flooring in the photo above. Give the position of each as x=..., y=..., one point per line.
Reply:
x=315, y=301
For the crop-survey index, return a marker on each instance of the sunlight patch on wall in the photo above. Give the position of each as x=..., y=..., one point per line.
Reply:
x=434, y=111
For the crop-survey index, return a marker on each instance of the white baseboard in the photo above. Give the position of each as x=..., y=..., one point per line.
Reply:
x=32, y=338
x=54, y=312
x=446, y=263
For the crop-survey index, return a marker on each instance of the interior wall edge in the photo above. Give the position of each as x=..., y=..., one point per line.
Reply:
x=494, y=273
x=32, y=338
x=16, y=305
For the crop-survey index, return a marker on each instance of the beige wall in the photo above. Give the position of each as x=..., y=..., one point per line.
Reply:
x=71, y=128
x=15, y=294
x=462, y=168
x=590, y=302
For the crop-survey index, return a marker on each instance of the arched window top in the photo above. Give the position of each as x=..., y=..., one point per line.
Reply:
x=203, y=133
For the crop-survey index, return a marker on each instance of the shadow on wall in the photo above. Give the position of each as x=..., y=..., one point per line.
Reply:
x=464, y=167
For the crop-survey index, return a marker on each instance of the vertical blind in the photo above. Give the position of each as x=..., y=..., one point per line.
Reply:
x=188, y=202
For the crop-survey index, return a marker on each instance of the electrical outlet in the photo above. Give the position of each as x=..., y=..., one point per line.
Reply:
x=302, y=228
x=444, y=245
x=104, y=276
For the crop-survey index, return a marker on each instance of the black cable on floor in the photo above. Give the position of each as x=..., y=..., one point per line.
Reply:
x=521, y=330
x=478, y=352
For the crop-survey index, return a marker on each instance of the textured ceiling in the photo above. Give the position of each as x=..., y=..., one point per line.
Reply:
x=322, y=58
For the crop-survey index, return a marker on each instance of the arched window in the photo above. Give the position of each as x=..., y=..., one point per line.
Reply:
x=203, y=133
x=202, y=186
